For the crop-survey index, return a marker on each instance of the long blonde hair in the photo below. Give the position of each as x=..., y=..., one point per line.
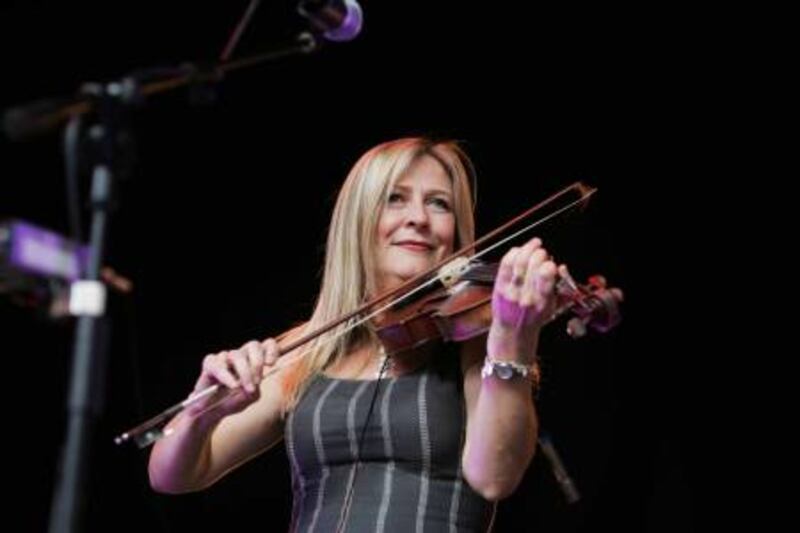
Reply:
x=349, y=277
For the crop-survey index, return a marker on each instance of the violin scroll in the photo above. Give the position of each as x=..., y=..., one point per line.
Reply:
x=595, y=306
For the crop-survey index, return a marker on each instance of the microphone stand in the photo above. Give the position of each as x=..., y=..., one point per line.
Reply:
x=85, y=399
x=565, y=482
x=38, y=117
x=108, y=102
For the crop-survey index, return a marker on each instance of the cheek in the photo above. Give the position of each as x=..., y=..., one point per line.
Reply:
x=384, y=229
x=448, y=233
x=387, y=225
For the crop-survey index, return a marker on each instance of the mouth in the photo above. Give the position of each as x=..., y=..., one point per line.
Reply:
x=415, y=246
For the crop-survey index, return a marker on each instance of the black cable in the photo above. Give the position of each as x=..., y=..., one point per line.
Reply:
x=348, y=497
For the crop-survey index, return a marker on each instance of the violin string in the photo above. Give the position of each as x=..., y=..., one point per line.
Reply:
x=482, y=272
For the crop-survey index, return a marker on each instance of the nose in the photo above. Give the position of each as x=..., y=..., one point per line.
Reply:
x=416, y=214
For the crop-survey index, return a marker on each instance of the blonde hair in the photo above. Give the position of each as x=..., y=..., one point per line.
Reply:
x=349, y=277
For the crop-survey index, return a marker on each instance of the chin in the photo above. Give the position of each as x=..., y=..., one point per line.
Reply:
x=414, y=267
x=403, y=266
x=406, y=272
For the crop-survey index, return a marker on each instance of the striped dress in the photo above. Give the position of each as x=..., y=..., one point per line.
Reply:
x=409, y=476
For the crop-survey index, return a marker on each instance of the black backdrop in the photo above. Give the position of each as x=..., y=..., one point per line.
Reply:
x=222, y=223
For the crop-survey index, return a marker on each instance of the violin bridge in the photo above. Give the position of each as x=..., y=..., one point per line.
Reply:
x=450, y=273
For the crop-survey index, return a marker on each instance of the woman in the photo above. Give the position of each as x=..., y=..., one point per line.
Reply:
x=427, y=440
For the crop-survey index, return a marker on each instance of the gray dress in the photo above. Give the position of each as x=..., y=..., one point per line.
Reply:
x=409, y=476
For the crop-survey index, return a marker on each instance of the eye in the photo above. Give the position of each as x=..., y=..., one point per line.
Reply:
x=395, y=198
x=441, y=204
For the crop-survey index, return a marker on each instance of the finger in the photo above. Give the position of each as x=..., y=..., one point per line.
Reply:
x=532, y=294
x=536, y=259
x=529, y=293
x=531, y=251
x=272, y=352
x=506, y=270
x=255, y=358
x=563, y=270
x=520, y=270
x=547, y=278
x=547, y=283
x=216, y=367
x=238, y=360
x=534, y=243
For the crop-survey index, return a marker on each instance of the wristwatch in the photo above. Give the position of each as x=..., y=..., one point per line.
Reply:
x=505, y=370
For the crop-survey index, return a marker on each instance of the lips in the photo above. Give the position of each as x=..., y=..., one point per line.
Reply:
x=419, y=246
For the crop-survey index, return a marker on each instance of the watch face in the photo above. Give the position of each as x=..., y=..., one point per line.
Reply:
x=504, y=372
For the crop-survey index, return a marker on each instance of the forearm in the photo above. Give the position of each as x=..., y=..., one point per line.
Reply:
x=501, y=437
x=502, y=431
x=213, y=436
x=180, y=461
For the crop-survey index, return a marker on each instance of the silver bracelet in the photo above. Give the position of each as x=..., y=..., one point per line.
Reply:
x=505, y=370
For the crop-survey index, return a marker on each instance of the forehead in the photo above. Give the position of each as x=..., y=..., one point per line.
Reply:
x=428, y=172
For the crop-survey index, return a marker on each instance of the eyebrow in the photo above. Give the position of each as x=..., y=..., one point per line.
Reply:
x=405, y=188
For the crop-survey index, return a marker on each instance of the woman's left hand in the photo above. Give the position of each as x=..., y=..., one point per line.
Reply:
x=522, y=301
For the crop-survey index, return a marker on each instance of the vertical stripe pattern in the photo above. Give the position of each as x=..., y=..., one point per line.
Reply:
x=425, y=443
x=388, y=449
x=320, y=455
x=401, y=464
x=298, y=483
x=352, y=438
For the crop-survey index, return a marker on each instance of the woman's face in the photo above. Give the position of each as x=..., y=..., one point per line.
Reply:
x=417, y=226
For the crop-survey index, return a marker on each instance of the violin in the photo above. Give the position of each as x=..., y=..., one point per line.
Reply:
x=450, y=301
x=461, y=309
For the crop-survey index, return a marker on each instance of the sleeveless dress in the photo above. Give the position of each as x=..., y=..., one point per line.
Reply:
x=408, y=478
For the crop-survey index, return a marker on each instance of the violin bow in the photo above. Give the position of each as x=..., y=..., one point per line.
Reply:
x=149, y=431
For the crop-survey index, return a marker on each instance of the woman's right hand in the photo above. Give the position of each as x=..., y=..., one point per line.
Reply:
x=239, y=372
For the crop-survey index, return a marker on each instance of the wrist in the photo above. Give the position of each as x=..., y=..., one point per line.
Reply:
x=507, y=344
x=510, y=371
x=504, y=369
x=200, y=422
x=203, y=408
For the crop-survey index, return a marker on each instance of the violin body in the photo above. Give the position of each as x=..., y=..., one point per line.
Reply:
x=455, y=317
x=464, y=311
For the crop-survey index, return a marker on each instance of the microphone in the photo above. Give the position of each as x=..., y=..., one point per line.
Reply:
x=33, y=250
x=336, y=20
x=41, y=269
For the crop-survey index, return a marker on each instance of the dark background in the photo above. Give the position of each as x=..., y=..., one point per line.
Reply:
x=222, y=222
